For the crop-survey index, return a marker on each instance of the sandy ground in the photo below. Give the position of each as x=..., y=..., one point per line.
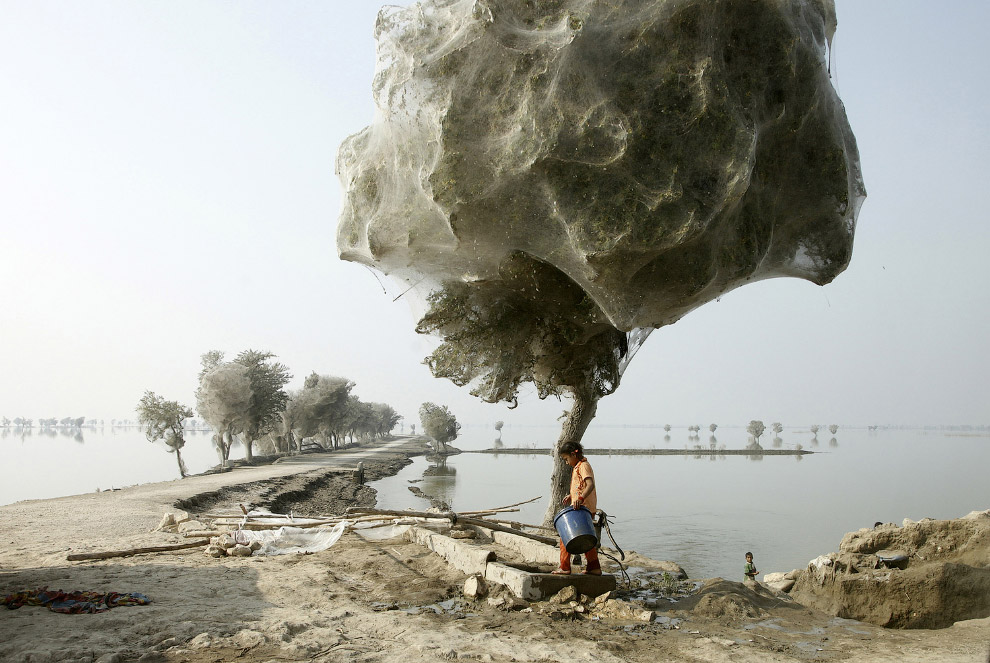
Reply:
x=386, y=600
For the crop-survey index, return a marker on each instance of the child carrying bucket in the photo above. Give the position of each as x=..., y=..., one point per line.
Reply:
x=583, y=493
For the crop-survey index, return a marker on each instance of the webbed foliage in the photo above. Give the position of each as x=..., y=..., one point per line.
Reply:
x=531, y=324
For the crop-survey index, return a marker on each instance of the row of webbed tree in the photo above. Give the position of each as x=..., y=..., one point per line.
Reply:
x=246, y=398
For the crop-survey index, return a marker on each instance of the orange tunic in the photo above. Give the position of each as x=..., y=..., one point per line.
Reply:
x=581, y=472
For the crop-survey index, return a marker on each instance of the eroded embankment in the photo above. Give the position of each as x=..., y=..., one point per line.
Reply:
x=319, y=492
x=927, y=574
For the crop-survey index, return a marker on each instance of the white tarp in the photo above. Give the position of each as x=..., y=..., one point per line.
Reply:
x=288, y=540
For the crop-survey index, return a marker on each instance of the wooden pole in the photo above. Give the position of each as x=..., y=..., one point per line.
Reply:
x=134, y=551
x=453, y=517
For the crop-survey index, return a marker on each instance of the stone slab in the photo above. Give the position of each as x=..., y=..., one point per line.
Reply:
x=464, y=557
x=540, y=586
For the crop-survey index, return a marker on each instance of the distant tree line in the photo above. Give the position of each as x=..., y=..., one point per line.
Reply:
x=53, y=422
x=245, y=400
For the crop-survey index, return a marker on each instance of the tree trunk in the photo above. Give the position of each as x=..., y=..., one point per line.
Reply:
x=248, y=448
x=182, y=466
x=583, y=410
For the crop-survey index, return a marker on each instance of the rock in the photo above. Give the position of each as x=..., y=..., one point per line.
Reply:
x=167, y=643
x=214, y=550
x=778, y=581
x=240, y=551
x=110, y=658
x=475, y=587
x=601, y=598
x=167, y=523
x=565, y=595
x=248, y=638
x=191, y=526
x=497, y=602
x=517, y=604
x=201, y=641
x=623, y=610
x=255, y=545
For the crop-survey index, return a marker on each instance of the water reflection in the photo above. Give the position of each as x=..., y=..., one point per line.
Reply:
x=777, y=443
x=754, y=446
x=833, y=442
x=440, y=481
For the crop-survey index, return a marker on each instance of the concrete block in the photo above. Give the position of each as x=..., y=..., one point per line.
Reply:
x=462, y=556
x=531, y=551
x=539, y=586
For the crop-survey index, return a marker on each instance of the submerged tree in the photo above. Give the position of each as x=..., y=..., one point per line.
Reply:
x=162, y=420
x=776, y=427
x=439, y=423
x=833, y=428
x=756, y=428
x=814, y=429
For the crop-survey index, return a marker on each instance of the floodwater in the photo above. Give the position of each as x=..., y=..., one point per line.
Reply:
x=705, y=512
x=39, y=463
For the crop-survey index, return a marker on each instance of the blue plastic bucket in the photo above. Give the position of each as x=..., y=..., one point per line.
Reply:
x=576, y=528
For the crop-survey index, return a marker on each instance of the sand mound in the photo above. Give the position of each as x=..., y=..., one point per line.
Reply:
x=727, y=600
x=927, y=574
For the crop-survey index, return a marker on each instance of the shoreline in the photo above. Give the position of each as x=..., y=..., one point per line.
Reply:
x=650, y=452
x=387, y=600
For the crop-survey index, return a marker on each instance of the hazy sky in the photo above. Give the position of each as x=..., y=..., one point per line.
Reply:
x=167, y=188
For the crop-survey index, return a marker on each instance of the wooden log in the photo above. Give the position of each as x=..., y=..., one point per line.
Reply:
x=135, y=551
x=453, y=517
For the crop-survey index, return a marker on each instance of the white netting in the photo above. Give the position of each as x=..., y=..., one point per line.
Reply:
x=658, y=153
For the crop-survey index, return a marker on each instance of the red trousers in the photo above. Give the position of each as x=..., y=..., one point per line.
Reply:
x=592, y=557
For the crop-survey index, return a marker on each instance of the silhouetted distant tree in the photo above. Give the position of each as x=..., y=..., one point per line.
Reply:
x=162, y=420
x=756, y=428
x=439, y=423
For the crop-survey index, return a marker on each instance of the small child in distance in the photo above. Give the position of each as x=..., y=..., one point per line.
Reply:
x=750, y=569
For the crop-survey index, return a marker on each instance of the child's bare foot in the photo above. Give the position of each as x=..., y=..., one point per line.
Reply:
x=593, y=572
x=561, y=572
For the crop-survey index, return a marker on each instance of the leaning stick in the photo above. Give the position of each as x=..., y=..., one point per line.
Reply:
x=135, y=551
x=488, y=512
x=509, y=506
